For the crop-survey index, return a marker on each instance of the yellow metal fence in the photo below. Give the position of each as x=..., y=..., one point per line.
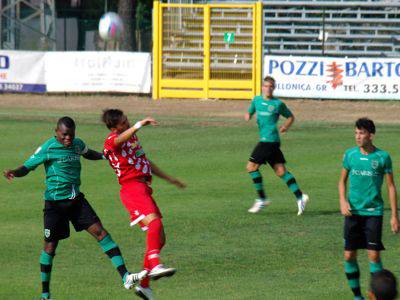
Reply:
x=207, y=51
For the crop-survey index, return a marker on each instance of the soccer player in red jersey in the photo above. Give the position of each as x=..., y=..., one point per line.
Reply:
x=134, y=171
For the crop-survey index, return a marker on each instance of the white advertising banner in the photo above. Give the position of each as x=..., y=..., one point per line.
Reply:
x=22, y=71
x=334, y=78
x=128, y=72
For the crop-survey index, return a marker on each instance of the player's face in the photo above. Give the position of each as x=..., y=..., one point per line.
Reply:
x=267, y=89
x=363, y=137
x=65, y=135
x=123, y=124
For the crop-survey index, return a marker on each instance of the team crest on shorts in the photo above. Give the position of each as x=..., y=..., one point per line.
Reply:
x=47, y=233
x=374, y=164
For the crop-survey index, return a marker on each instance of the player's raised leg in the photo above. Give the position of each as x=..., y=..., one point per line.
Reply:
x=111, y=249
x=155, y=241
x=288, y=178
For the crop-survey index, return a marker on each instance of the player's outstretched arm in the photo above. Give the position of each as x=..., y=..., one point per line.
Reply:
x=344, y=204
x=159, y=173
x=18, y=172
x=93, y=155
x=394, y=220
x=127, y=134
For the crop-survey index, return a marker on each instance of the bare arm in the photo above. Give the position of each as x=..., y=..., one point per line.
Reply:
x=394, y=220
x=127, y=134
x=159, y=173
x=344, y=204
x=285, y=127
x=247, y=116
x=21, y=171
x=93, y=155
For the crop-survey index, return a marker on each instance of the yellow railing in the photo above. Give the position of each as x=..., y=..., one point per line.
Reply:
x=207, y=51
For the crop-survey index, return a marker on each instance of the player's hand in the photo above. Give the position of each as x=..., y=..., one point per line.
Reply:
x=8, y=174
x=247, y=117
x=394, y=223
x=177, y=183
x=283, y=129
x=149, y=121
x=345, y=208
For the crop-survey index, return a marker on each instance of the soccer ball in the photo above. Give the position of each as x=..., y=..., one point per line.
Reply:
x=111, y=27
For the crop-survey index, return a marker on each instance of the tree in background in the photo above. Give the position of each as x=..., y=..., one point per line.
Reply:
x=126, y=12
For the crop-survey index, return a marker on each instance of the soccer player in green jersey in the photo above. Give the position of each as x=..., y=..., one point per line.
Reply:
x=365, y=166
x=65, y=203
x=268, y=110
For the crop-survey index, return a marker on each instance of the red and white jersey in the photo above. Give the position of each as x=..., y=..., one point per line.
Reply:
x=128, y=160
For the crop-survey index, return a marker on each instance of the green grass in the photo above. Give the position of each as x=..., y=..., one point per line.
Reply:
x=220, y=250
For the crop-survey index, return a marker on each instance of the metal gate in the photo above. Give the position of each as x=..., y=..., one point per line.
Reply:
x=207, y=51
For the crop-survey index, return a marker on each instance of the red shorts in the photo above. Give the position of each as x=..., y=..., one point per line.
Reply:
x=137, y=199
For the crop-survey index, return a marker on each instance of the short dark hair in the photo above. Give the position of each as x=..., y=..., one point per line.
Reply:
x=367, y=124
x=384, y=285
x=67, y=122
x=270, y=79
x=111, y=117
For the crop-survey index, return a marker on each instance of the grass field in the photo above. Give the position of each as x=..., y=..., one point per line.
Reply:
x=220, y=250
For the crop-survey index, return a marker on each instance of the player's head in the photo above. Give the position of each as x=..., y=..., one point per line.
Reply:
x=115, y=120
x=383, y=286
x=65, y=131
x=268, y=86
x=364, y=132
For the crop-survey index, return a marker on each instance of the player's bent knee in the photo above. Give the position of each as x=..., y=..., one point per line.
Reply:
x=350, y=255
x=252, y=167
x=374, y=256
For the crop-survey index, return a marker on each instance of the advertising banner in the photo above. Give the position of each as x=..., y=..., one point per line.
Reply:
x=127, y=72
x=22, y=71
x=334, y=78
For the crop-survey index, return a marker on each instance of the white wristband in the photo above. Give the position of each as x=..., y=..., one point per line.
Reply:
x=137, y=125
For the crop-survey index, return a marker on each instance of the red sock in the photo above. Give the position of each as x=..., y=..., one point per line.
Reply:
x=154, y=243
x=146, y=281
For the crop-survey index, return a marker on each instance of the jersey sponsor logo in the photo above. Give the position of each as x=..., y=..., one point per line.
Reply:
x=363, y=158
x=68, y=158
x=264, y=113
x=362, y=173
x=374, y=164
x=47, y=233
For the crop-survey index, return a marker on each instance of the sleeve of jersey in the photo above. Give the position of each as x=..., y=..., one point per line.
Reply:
x=346, y=164
x=388, y=169
x=109, y=145
x=285, y=111
x=252, y=108
x=82, y=147
x=36, y=159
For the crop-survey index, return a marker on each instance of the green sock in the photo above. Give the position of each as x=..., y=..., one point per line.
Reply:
x=353, y=276
x=111, y=249
x=46, y=262
x=258, y=184
x=290, y=181
x=375, y=267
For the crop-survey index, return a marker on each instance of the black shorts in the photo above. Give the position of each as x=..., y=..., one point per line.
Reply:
x=58, y=214
x=363, y=232
x=267, y=152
